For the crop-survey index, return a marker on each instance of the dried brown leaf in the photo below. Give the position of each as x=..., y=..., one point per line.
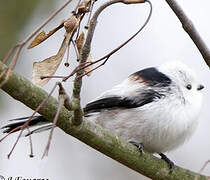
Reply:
x=38, y=39
x=49, y=66
x=42, y=36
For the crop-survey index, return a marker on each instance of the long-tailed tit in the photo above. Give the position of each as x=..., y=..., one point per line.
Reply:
x=156, y=109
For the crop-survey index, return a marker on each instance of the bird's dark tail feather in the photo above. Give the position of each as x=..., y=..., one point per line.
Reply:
x=35, y=121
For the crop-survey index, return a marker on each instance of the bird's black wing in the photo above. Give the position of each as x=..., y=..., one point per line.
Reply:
x=122, y=102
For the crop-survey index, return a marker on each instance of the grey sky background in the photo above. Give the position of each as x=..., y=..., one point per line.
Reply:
x=162, y=40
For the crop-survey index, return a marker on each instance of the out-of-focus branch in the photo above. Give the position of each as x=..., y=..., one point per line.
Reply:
x=191, y=30
x=23, y=90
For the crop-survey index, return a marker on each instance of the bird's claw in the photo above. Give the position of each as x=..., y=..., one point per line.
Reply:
x=138, y=145
x=169, y=162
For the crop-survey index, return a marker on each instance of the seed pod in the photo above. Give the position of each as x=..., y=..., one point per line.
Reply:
x=80, y=41
x=71, y=24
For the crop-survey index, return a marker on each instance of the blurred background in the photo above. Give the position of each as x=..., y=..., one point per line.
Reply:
x=162, y=40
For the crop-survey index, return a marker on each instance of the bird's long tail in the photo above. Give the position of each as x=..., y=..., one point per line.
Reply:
x=42, y=123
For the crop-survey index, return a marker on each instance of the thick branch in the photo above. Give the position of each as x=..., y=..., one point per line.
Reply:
x=191, y=30
x=23, y=90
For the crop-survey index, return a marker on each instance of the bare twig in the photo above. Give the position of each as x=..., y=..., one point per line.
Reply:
x=25, y=125
x=15, y=144
x=106, y=57
x=75, y=9
x=86, y=48
x=83, y=63
x=201, y=170
x=62, y=93
x=9, y=53
x=43, y=77
x=30, y=142
x=12, y=65
x=47, y=21
x=21, y=44
x=61, y=102
x=13, y=130
x=89, y=64
x=191, y=30
x=90, y=14
x=75, y=49
x=67, y=55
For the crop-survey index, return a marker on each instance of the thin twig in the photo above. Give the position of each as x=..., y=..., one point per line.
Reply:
x=66, y=98
x=62, y=98
x=75, y=9
x=78, y=29
x=10, y=132
x=61, y=102
x=48, y=20
x=189, y=27
x=12, y=64
x=67, y=55
x=84, y=74
x=75, y=49
x=9, y=53
x=90, y=13
x=201, y=170
x=43, y=77
x=8, y=156
x=106, y=57
x=25, y=125
x=30, y=142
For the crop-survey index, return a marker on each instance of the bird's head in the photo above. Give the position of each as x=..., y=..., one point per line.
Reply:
x=185, y=81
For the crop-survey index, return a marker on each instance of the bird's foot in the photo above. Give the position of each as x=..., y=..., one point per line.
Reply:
x=138, y=145
x=169, y=162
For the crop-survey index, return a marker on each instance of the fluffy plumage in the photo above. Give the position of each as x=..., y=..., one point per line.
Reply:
x=153, y=107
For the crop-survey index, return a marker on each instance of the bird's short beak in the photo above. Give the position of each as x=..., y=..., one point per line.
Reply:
x=200, y=87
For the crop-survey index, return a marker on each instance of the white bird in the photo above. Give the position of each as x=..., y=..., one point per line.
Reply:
x=155, y=109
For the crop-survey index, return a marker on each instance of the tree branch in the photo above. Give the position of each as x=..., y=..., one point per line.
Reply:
x=23, y=90
x=191, y=30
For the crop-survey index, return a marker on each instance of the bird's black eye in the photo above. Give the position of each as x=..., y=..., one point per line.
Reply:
x=200, y=87
x=189, y=86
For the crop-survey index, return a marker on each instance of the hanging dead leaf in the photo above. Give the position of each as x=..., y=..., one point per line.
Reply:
x=42, y=36
x=49, y=66
x=80, y=41
x=89, y=68
x=71, y=24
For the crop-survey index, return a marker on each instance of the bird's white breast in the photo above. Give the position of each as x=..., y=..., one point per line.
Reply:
x=160, y=126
